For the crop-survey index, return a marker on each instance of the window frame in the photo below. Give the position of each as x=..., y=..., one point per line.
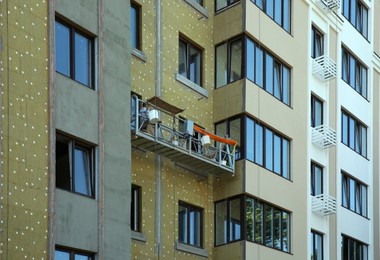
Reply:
x=229, y=3
x=314, y=100
x=188, y=230
x=347, y=241
x=73, y=252
x=357, y=132
x=346, y=181
x=136, y=208
x=316, y=34
x=73, y=30
x=314, y=234
x=239, y=149
x=138, y=34
x=72, y=143
x=313, y=166
x=352, y=15
x=190, y=44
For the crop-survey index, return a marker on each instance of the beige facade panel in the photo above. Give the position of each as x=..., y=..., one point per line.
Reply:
x=234, y=251
x=226, y=186
x=229, y=23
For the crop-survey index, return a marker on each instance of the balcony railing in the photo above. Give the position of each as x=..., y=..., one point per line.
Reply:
x=323, y=136
x=157, y=130
x=323, y=204
x=328, y=5
x=324, y=68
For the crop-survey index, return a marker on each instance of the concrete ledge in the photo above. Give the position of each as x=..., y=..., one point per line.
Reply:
x=191, y=85
x=191, y=249
x=139, y=54
x=198, y=7
x=138, y=236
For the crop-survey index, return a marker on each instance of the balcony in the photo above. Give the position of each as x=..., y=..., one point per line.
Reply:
x=328, y=5
x=157, y=128
x=324, y=68
x=323, y=136
x=323, y=204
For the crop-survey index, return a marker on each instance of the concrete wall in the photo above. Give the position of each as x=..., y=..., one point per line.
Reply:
x=24, y=129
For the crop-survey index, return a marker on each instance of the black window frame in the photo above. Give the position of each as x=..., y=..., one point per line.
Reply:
x=314, y=100
x=73, y=252
x=263, y=7
x=316, y=35
x=358, y=70
x=313, y=248
x=346, y=242
x=190, y=207
x=136, y=208
x=229, y=3
x=239, y=149
x=313, y=166
x=72, y=144
x=138, y=35
x=347, y=180
x=75, y=29
x=351, y=9
x=357, y=131
x=190, y=44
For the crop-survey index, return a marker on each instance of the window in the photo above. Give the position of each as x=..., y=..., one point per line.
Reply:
x=316, y=179
x=74, y=53
x=267, y=72
x=70, y=254
x=354, y=73
x=135, y=26
x=357, y=13
x=221, y=4
x=353, y=249
x=74, y=166
x=316, y=245
x=232, y=129
x=267, y=225
x=228, y=221
x=278, y=10
x=190, y=60
x=316, y=111
x=354, y=134
x=136, y=208
x=354, y=195
x=190, y=221
x=267, y=148
x=316, y=43
x=228, y=62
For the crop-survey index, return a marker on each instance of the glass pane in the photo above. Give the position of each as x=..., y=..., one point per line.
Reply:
x=82, y=59
x=221, y=65
x=220, y=4
x=249, y=218
x=195, y=66
x=352, y=11
x=250, y=131
x=135, y=210
x=62, y=166
x=277, y=154
x=258, y=222
x=277, y=228
x=235, y=134
x=352, y=133
x=318, y=113
x=221, y=129
x=312, y=251
x=236, y=56
x=345, y=8
x=260, y=4
x=365, y=22
x=352, y=194
x=357, y=135
x=364, y=141
x=286, y=18
x=259, y=67
x=285, y=232
x=250, y=59
x=60, y=255
x=277, y=80
x=318, y=247
x=269, y=149
x=344, y=191
x=182, y=224
x=235, y=220
x=365, y=252
x=285, y=85
x=82, y=171
x=268, y=73
x=358, y=200
x=134, y=27
x=285, y=158
x=364, y=200
x=318, y=45
x=195, y=227
x=364, y=81
x=345, y=66
x=344, y=129
x=268, y=226
x=259, y=144
x=270, y=8
x=81, y=257
x=318, y=189
x=62, y=49
x=182, y=60
x=352, y=71
x=221, y=223
x=278, y=12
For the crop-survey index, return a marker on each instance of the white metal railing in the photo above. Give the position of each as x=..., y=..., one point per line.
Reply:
x=328, y=5
x=170, y=130
x=323, y=136
x=323, y=204
x=324, y=68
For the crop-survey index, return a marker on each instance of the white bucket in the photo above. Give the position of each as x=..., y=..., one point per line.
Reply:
x=153, y=116
x=205, y=140
x=224, y=162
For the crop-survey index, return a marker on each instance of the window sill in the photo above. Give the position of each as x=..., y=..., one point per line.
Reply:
x=191, y=85
x=139, y=54
x=138, y=236
x=191, y=249
x=198, y=7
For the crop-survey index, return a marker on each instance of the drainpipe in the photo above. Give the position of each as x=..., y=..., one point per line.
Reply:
x=158, y=214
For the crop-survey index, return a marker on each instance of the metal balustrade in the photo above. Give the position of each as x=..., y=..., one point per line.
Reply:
x=324, y=68
x=323, y=204
x=328, y=5
x=323, y=136
x=157, y=130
